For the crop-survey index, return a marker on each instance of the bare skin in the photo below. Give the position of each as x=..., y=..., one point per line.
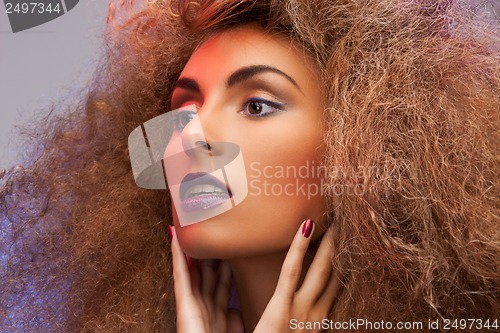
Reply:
x=262, y=93
x=202, y=292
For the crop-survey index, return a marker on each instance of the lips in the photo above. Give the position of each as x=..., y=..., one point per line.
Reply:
x=201, y=191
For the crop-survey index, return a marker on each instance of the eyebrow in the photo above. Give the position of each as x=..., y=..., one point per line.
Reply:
x=242, y=74
x=246, y=73
x=188, y=84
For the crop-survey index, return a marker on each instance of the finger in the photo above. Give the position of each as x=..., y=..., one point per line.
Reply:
x=234, y=322
x=182, y=281
x=331, y=291
x=223, y=286
x=292, y=266
x=319, y=272
x=208, y=278
x=194, y=273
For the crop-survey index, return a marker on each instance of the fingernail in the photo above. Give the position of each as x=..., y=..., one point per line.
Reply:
x=170, y=232
x=307, y=228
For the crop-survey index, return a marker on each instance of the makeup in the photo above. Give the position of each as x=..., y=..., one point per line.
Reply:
x=203, y=182
x=257, y=107
x=307, y=228
x=201, y=191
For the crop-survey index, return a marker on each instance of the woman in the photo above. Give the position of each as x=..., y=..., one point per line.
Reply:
x=397, y=101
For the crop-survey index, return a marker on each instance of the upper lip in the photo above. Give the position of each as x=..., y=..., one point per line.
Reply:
x=199, y=178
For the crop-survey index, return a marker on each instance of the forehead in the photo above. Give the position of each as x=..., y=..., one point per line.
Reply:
x=225, y=52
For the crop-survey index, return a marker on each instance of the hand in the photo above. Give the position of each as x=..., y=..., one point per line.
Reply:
x=205, y=309
x=202, y=297
x=313, y=300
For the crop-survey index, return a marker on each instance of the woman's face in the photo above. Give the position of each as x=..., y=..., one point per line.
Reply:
x=262, y=93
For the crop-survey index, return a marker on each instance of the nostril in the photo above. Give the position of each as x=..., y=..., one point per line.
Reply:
x=203, y=144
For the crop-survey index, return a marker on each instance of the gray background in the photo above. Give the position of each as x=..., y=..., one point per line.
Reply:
x=48, y=63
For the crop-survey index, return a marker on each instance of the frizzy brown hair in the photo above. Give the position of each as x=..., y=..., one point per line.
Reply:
x=413, y=94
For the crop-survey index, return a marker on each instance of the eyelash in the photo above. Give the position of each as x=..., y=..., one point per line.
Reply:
x=181, y=117
x=277, y=107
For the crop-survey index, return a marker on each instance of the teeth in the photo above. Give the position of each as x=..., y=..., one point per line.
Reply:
x=195, y=189
x=203, y=189
x=208, y=188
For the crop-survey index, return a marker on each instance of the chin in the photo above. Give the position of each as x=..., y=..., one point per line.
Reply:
x=205, y=240
x=218, y=239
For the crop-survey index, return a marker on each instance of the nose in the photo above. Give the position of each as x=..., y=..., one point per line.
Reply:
x=199, y=137
x=204, y=136
x=193, y=137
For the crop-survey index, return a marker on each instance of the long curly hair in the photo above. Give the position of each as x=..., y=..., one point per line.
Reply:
x=412, y=119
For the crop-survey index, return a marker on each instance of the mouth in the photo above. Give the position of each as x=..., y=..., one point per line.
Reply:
x=201, y=191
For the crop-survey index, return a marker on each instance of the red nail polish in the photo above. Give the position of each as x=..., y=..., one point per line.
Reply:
x=170, y=231
x=307, y=228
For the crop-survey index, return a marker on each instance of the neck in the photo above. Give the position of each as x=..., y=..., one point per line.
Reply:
x=256, y=279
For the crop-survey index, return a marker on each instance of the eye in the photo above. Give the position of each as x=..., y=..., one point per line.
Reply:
x=182, y=118
x=259, y=107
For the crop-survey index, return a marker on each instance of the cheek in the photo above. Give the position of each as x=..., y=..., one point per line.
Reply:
x=284, y=189
x=284, y=171
x=284, y=153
